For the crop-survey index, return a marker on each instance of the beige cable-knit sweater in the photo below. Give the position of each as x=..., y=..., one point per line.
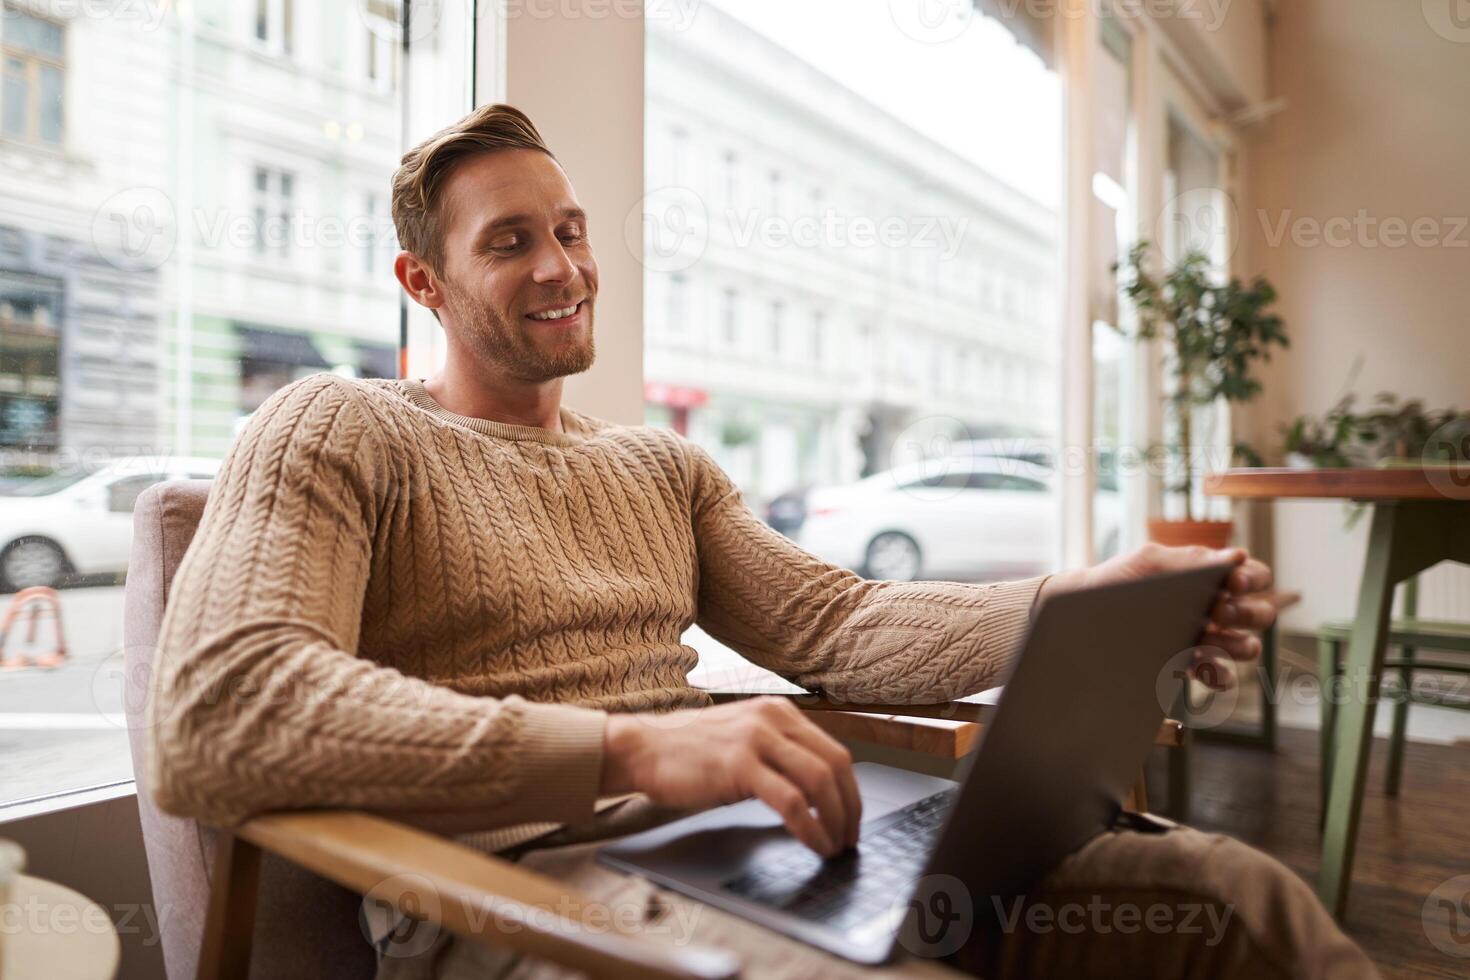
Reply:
x=390, y=606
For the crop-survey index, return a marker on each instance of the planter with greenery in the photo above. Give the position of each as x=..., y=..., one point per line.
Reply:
x=1312, y=443
x=1393, y=432
x=1214, y=335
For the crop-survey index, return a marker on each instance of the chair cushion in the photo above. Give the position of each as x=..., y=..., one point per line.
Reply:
x=305, y=925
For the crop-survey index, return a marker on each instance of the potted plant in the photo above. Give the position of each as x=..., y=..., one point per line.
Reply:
x=1394, y=433
x=1215, y=333
x=1312, y=443
x=1403, y=432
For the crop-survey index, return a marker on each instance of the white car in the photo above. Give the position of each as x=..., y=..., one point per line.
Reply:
x=81, y=522
x=964, y=517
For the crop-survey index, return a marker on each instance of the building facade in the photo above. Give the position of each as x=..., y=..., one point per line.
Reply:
x=855, y=286
x=175, y=248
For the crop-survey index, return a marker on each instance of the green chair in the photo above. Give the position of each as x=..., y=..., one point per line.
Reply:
x=1410, y=634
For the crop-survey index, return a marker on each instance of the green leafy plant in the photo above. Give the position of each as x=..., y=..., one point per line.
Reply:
x=1393, y=429
x=1327, y=441
x=1216, y=333
x=1403, y=430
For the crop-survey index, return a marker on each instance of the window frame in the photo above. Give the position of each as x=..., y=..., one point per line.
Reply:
x=279, y=25
x=33, y=61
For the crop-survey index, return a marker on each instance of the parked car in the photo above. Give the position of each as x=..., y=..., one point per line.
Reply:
x=787, y=511
x=80, y=522
x=964, y=517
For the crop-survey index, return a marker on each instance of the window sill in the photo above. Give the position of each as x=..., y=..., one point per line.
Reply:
x=39, y=806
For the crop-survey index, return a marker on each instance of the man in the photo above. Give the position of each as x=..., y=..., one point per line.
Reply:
x=457, y=602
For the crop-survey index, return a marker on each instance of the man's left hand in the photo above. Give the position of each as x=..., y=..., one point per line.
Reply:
x=1239, y=609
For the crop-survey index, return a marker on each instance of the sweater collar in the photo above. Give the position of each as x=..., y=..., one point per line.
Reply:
x=574, y=432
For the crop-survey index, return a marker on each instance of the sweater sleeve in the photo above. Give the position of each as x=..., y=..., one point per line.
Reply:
x=825, y=627
x=259, y=700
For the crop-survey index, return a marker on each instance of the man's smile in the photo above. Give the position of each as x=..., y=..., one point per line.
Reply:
x=561, y=316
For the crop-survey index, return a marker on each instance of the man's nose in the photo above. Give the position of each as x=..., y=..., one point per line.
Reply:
x=553, y=265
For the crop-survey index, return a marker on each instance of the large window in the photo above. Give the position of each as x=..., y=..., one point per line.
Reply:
x=217, y=228
x=869, y=303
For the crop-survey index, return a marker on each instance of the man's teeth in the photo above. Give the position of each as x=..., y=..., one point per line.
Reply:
x=554, y=314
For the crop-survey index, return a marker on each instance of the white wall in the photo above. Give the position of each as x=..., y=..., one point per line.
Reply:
x=1224, y=41
x=579, y=76
x=1373, y=127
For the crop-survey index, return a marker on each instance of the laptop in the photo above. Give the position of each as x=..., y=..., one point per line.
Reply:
x=936, y=857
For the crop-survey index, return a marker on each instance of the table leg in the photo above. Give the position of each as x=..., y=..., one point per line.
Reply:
x=1329, y=666
x=1268, y=686
x=1353, y=725
x=1401, y=706
x=1405, y=539
x=1176, y=806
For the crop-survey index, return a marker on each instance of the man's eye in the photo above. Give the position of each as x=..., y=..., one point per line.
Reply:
x=573, y=236
x=506, y=245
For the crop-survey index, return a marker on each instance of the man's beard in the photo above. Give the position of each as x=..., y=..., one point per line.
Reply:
x=510, y=345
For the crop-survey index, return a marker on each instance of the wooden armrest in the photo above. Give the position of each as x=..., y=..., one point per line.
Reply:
x=475, y=895
x=897, y=728
x=945, y=711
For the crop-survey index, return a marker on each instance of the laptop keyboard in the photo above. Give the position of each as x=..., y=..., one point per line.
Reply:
x=856, y=887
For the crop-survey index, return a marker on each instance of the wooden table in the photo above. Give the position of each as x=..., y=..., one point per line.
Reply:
x=53, y=932
x=1421, y=517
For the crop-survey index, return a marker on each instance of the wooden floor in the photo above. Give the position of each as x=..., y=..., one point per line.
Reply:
x=1407, y=847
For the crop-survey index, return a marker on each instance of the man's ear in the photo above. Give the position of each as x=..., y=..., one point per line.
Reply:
x=419, y=281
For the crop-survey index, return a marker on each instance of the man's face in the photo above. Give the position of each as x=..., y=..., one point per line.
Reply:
x=516, y=252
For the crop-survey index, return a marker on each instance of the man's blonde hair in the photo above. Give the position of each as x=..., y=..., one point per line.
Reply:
x=417, y=211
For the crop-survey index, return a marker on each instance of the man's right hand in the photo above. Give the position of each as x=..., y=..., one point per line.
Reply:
x=763, y=748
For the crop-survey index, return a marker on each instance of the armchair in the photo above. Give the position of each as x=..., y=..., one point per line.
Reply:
x=279, y=895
